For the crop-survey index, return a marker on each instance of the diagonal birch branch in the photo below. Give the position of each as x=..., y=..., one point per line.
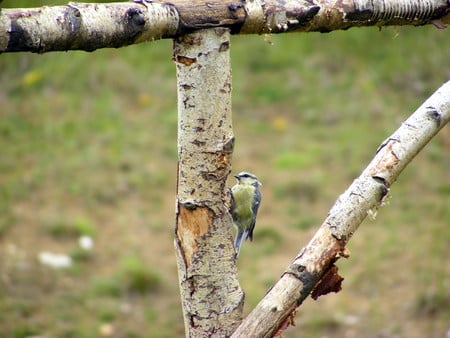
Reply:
x=314, y=264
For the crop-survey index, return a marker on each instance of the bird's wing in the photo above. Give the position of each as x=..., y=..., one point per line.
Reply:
x=255, y=207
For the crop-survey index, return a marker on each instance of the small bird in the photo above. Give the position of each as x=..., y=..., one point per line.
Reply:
x=245, y=200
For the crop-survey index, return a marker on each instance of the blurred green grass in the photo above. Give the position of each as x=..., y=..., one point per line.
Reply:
x=88, y=141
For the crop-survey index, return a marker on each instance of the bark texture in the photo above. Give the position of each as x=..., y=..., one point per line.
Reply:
x=211, y=296
x=312, y=270
x=84, y=26
x=91, y=26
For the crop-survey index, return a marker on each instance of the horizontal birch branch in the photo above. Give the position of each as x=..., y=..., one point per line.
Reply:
x=80, y=26
x=312, y=270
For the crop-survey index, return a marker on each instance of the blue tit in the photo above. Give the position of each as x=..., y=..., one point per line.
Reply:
x=245, y=200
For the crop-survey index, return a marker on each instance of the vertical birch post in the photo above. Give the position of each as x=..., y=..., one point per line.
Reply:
x=211, y=296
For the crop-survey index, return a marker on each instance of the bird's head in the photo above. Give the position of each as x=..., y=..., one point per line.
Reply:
x=245, y=177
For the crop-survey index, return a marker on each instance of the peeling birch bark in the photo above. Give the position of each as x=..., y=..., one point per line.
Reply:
x=364, y=197
x=92, y=26
x=211, y=296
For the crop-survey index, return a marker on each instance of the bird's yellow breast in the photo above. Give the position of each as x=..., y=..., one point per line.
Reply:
x=243, y=196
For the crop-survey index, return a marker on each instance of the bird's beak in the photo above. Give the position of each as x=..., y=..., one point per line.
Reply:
x=236, y=176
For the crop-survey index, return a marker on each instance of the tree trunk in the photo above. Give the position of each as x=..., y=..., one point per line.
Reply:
x=210, y=292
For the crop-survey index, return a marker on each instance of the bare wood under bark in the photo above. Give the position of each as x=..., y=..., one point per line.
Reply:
x=79, y=26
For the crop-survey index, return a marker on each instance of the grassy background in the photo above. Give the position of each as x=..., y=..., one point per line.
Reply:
x=88, y=147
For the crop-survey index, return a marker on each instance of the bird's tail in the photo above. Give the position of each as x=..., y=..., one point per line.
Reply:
x=238, y=241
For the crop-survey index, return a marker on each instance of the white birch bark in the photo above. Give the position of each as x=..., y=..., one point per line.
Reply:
x=92, y=26
x=84, y=26
x=211, y=296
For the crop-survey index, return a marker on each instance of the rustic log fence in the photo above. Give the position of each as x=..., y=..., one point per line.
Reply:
x=211, y=295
